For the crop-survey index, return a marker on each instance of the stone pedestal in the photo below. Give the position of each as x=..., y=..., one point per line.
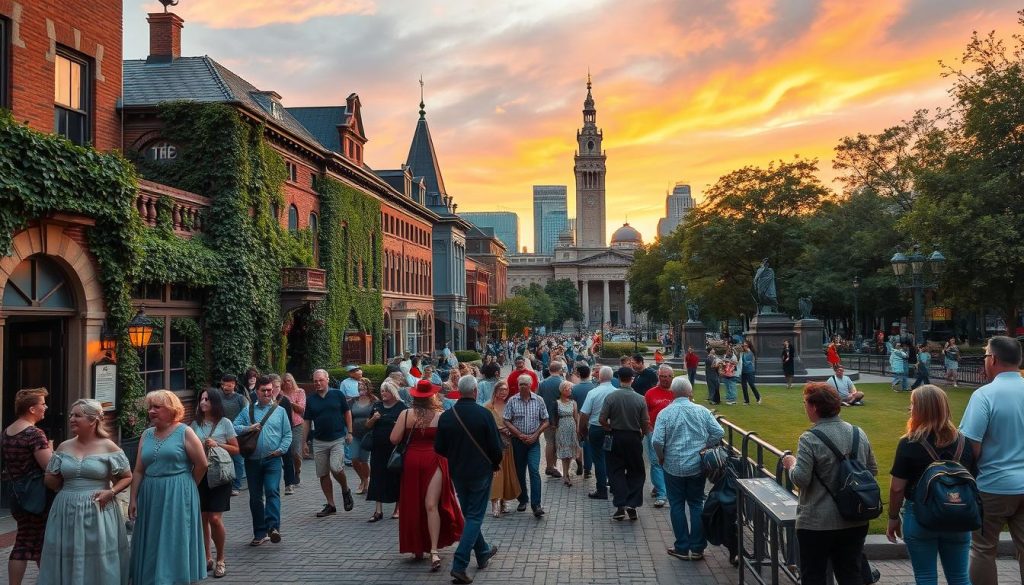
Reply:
x=766, y=334
x=693, y=335
x=809, y=352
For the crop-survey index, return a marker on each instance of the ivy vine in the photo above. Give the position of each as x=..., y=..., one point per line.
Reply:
x=43, y=173
x=196, y=368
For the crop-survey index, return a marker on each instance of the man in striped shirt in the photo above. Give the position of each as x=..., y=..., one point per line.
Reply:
x=526, y=416
x=682, y=430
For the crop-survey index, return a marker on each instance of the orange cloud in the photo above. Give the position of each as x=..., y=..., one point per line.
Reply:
x=257, y=13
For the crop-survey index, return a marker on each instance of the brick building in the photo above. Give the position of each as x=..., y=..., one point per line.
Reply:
x=486, y=284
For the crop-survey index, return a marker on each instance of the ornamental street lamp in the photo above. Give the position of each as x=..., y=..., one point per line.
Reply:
x=140, y=329
x=677, y=292
x=856, y=315
x=917, y=273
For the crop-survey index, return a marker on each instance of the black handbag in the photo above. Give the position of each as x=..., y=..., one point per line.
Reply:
x=248, y=441
x=397, y=458
x=29, y=491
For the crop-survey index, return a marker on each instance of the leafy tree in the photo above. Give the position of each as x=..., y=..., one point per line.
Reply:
x=647, y=294
x=565, y=298
x=971, y=201
x=515, y=312
x=749, y=214
x=540, y=302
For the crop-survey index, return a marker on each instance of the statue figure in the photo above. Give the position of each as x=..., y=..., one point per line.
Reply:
x=693, y=311
x=804, y=304
x=764, y=290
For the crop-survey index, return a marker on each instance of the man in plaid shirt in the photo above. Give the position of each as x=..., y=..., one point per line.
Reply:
x=526, y=417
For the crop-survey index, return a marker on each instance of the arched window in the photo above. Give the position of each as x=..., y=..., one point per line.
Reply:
x=38, y=282
x=293, y=218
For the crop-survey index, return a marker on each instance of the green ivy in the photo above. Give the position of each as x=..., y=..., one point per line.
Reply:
x=350, y=220
x=168, y=258
x=42, y=174
x=196, y=368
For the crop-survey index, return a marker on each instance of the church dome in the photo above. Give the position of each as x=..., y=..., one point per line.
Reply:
x=627, y=237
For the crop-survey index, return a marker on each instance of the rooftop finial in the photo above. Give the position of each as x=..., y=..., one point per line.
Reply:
x=167, y=3
x=588, y=78
x=423, y=113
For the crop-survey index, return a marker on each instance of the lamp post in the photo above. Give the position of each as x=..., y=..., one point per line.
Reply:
x=924, y=274
x=677, y=292
x=856, y=315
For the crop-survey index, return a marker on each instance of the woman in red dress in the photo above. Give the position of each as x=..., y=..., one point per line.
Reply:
x=832, y=354
x=429, y=517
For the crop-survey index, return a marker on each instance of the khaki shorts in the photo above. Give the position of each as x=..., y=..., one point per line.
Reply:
x=329, y=456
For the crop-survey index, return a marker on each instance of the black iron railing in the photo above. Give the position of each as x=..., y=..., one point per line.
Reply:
x=971, y=370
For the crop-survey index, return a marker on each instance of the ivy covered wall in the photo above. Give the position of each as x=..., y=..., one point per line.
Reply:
x=351, y=249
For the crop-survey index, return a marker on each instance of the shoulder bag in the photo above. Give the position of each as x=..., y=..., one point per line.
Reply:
x=29, y=491
x=397, y=458
x=495, y=466
x=248, y=441
x=220, y=468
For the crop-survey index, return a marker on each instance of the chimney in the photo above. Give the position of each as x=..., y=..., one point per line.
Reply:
x=164, y=37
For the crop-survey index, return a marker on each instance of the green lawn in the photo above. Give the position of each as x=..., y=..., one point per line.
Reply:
x=780, y=420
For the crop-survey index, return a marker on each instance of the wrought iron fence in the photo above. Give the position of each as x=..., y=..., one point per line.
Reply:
x=971, y=370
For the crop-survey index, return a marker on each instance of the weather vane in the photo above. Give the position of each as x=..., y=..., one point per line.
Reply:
x=167, y=3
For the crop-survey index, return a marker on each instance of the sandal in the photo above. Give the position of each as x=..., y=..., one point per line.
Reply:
x=377, y=517
x=220, y=570
x=435, y=561
x=209, y=565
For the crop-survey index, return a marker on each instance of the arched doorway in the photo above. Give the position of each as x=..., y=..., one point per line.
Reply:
x=38, y=303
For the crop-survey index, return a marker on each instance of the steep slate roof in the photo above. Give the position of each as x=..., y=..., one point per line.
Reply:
x=423, y=162
x=323, y=122
x=201, y=79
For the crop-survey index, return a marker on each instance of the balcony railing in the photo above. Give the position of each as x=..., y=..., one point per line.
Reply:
x=186, y=208
x=300, y=278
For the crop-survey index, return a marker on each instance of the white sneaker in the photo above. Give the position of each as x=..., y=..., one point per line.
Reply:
x=289, y=490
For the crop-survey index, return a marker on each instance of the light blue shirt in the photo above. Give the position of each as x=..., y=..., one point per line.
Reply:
x=350, y=387
x=484, y=390
x=276, y=434
x=842, y=385
x=995, y=418
x=595, y=401
x=898, y=360
x=747, y=360
x=680, y=432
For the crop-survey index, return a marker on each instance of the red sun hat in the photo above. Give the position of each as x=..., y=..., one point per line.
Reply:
x=423, y=389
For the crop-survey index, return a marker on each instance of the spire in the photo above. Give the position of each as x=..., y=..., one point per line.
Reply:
x=423, y=112
x=589, y=111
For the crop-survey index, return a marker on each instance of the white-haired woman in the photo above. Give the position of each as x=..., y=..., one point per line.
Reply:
x=85, y=538
x=567, y=443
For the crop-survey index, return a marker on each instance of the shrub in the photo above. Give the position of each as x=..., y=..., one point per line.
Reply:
x=619, y=349
x=467, y=356
x=375, y=372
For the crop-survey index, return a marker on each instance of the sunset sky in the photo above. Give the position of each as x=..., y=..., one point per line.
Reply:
x=685, y=90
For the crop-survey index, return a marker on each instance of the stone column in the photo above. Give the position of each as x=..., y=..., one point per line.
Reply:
x=586, y=302
x=625, y=301
x=607, y=303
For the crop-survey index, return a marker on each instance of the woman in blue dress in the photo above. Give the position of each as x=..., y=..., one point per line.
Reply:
x=85, y=538
x=167, y=543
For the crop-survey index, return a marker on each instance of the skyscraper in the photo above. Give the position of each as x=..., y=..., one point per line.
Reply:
x=550, y=216
x=590, y=173
x=677, y=205
x=504, y=223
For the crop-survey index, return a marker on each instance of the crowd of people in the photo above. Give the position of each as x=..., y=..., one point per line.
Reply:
x=438, y=446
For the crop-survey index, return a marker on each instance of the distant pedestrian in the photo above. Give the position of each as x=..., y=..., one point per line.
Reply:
x=951, y=360
x=727, y=367
x=657, y=399
x=567, y=443
x=749, y=370
x=624, y=417
x=505, y=485
x=681, y=431
x=549, y=391
x=692, y=360
x=579, y=394
x=848, y=392
x=297, y=397
x=994, y=422
x=644, y=378
x=362, y=409
x=526, y=417
x=520, y=369
x=788, y=363
x=898, y=366
x=711, y=363
x=822, y=533
x=234, y=403
x=468, y=438
x=385, y=484
x=923, y=360
x=832, y=353
x=930, y=430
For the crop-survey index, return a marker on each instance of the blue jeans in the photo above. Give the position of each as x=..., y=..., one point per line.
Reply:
x=923, y=545
x=527, y=456
x=473, y=497
x=597, y=454
x=730, y=388
x=264, y=480
x=657, y=472
x=239, y=461
x=686, y=492
x=900, y=377
x=691, y=373
x=922, y=376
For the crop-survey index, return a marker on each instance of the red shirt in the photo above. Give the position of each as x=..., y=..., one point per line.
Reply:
x=513, y=380
x=692, y=360
x=657, y=399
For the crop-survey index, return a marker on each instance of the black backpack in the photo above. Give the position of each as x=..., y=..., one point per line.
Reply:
x=946, y=497
x=858, y=497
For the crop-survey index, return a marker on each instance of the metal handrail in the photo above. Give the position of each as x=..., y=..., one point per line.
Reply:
x=754, y=463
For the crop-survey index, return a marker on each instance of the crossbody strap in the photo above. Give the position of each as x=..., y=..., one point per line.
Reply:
x=470, y=435
x=263, y=420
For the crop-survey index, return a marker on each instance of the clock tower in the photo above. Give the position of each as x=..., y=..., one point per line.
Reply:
x=589, y=169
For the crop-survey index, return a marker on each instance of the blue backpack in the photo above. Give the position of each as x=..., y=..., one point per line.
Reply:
x=857, y=495
x=946, y=497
